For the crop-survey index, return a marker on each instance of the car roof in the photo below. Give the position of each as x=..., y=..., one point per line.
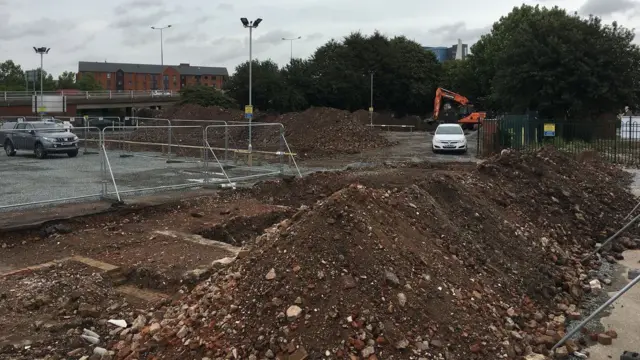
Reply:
x=449, y=125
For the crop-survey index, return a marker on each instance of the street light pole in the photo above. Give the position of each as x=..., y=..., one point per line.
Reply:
x=161, y=53
x=292, y=40
x=42, y=51
x=251, y=25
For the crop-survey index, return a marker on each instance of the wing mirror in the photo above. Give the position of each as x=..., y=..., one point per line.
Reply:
x=32, y=132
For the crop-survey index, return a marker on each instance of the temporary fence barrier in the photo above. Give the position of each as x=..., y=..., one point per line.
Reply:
x=617, y=142
x=390, y=127
x=57, y=181
x=269, y=144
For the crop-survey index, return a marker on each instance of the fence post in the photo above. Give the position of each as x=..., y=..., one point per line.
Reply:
x=226, y=142
x=282, y=150
x=103, y=166
x=205, y=156
x=478, y=138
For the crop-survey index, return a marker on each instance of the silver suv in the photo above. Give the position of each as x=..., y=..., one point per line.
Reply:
x=41, y=137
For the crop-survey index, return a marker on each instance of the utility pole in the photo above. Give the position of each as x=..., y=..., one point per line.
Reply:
x=292, y=40
x=161, y=53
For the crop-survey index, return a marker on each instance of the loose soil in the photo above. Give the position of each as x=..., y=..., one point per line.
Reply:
x=394, y=262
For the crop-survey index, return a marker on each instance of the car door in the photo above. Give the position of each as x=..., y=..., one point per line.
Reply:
x=17, y=136
x=29, y=138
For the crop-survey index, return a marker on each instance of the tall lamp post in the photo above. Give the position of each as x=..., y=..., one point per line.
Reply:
x=371, y=106
x=292, y=40
x=42, y=51
x=251, y=25
x=161, y=52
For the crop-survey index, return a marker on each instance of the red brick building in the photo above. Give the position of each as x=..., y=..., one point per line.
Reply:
x=125, y=77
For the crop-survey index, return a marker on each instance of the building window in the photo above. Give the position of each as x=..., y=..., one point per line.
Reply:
x=206, y=77
x=108, y=75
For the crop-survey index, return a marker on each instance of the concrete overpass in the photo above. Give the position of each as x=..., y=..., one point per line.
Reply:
x=20, y=103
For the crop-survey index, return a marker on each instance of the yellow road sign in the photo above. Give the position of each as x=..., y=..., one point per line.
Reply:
x=371, y=109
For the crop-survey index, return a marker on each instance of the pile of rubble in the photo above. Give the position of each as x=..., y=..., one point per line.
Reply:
x=316, y=132
x=449, y=265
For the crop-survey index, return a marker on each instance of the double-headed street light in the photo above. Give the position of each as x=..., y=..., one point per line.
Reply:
x=251, y=25
x=42, y=51
x=292, y=40
x=161, y=53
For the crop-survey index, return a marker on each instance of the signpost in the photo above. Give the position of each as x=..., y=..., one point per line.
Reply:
x=248, y=111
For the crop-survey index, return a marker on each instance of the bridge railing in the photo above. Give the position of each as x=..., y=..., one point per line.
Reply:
x=102, y=94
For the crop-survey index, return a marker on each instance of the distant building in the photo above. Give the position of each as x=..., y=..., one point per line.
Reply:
x=444, y=53
x=125, y=77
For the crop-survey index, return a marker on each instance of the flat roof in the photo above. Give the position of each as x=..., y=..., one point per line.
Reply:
x=183, y=69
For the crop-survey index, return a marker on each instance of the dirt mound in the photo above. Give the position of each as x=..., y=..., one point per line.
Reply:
x=430, y=263
x=321, y=132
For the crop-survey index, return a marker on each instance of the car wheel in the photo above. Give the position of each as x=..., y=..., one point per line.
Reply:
x=39, y=151
x=8, y=148
x=73, y=153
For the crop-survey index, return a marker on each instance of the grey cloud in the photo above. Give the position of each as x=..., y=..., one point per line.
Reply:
x=80, y=45
x=224, y=7
x=135, y=5
x=143, y=21
x=313, y=37
x=607, y=7
x=181, y=38
x=273, y=37
x=12, y=31
x=449, y=34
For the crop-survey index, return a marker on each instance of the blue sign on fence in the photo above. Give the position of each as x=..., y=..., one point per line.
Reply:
x=549, y=129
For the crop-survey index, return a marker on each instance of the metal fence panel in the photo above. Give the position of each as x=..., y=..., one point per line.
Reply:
x=617, y=142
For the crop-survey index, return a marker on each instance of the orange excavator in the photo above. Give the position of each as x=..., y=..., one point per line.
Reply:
x=469, y=117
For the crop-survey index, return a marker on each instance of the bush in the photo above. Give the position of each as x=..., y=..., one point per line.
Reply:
x=206, y=96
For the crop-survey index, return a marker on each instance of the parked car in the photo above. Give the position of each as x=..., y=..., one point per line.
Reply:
x=155, y=93
x=41, y=137
x=449, y=137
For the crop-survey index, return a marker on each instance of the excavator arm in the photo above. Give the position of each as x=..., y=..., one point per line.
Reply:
x=447, y=94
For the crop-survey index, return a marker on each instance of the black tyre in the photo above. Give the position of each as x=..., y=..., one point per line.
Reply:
x=9, y=149
x=73, y=153
x=39, y=151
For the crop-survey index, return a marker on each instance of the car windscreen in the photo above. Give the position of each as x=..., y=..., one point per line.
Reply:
x=449, y=130
x=46, y=127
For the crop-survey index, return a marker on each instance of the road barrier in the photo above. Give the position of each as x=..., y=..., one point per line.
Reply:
x=389, y=127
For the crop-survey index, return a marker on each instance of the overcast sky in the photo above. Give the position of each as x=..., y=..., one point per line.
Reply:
x=209, y=32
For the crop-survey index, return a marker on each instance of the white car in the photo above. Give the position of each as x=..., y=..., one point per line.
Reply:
x=449, y=137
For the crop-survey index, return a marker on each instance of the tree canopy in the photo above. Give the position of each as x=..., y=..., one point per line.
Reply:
x=533, y=59
x=206, y=96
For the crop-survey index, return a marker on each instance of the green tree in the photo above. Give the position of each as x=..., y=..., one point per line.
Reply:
x=67, y=80
x=88, y=83
x=12, y=78
x=206, y=96
x=268, y=87
x=558, y=64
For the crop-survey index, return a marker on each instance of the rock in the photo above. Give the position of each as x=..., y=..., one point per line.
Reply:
x=595, y=286
x=76, y=352
x=348, y=282
x=422, y=345
x=535, y=357
x=298, y=300
x=633, y=273
x=90, y=311
x=197, y=214
x=437, y=344
x=154, y=328
x=92, y=339
x=299, y=354
x=271, y=274
x=561, y=353
x=575, y=315
x=139, y=323
x=402, y=299
x=611, y=333
x=184, y=330
x=293, y=312
x=475, y=348
x=604, y=339
x=402, y=344
x=269, y=354
x=100, y=351
x=368, y=351
x=391, y=278
x=607, y=281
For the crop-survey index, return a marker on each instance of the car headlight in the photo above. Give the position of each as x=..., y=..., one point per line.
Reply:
x=47, y=139
x=75, y=138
